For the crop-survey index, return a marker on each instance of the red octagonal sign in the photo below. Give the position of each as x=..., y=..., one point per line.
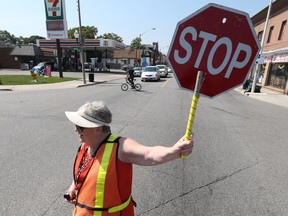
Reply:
x=217, y=40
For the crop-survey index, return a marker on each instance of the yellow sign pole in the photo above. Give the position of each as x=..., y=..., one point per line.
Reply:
x=196, y=95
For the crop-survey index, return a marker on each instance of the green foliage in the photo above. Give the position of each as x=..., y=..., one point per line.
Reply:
x=26, y=79
x=112, y=36
x=32, y=39
x=136, y=44
x=6, y=36
x=88, y=32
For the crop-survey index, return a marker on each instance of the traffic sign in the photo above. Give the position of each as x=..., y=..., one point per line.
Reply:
x=217, y=40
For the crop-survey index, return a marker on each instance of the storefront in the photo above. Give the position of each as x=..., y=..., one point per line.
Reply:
x=275, y=70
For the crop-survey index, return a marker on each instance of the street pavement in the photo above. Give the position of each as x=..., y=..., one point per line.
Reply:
x=266, y=94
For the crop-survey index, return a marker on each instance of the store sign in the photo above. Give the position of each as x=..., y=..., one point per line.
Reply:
x=56, y=24
x=276, y=58
x=283, y=57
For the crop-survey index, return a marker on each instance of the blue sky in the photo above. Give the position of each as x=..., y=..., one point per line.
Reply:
x=127, y=18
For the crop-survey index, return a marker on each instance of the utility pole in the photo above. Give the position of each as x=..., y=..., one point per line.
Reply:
x=261, y=48
x=59, y=55
x=81, y=43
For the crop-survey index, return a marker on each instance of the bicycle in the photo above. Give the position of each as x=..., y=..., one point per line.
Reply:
x=125, y=86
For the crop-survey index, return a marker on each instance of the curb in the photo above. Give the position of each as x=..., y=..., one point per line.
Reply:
x=90, y=84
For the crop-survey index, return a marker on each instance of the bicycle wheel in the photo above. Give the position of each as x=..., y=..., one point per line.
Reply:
x=124, y=87
x=138, y=86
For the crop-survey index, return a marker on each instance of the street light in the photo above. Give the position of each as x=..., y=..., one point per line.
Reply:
x=141, y=39
x=76, y=36
x=145, y=32
x=81, y=41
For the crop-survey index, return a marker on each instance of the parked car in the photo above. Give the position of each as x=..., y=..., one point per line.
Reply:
x=137, y=71
x=169, y=69
x=125, y=67
x=163, y=70
x=150, y=73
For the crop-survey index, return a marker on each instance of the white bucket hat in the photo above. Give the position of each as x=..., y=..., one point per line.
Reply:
x=84, y=120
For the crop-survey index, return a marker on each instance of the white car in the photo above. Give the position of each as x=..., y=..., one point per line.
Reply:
x=137, y=71
x=163, y=70
x=150, y=73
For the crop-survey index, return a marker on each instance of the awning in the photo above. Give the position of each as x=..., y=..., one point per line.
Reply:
x=102, y=44
x=276, y=56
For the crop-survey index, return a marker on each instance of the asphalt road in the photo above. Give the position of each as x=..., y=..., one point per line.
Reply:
x=238, y=166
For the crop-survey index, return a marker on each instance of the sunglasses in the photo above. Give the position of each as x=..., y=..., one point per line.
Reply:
x=79, y=128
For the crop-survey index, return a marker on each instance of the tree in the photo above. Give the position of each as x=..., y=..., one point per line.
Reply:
x=32, y=39
x=112, y=36
x=88, y=32
x=6, y=36
x=136, y=44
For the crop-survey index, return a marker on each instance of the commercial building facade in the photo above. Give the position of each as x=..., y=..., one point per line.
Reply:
x=274, y=70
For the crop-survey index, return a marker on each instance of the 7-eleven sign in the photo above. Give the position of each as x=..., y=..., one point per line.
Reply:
x=54, y=9
x=56, y=24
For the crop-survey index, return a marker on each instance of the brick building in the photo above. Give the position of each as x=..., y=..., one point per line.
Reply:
x=274, y=70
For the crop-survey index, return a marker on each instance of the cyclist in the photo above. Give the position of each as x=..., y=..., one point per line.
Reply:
x=130, y=76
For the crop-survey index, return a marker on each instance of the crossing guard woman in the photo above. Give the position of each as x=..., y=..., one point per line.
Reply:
x=102, y=183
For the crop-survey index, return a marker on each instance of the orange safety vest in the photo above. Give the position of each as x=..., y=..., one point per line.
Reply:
x=107, y=183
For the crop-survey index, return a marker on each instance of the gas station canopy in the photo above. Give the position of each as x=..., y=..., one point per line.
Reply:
x=104, y=44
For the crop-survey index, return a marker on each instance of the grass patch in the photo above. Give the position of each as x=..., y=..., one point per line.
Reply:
x=27, y=80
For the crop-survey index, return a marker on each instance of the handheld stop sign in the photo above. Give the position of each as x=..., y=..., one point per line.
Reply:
x=211, y=52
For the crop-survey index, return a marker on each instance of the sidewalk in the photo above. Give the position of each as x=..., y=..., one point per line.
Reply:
x=267, y=95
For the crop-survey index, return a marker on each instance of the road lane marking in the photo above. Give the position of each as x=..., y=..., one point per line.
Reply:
x=166, y=82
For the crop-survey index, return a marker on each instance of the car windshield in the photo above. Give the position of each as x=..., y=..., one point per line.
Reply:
x=150, y=69
x=161, y=67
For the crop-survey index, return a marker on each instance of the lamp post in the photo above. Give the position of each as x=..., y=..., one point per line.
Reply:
x=145, y=32
x=141, y=39
x=81, y=41
x=76, y=36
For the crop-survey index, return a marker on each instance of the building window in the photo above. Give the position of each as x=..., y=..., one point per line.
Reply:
x=278, y=75
x=270, y=34
x=282, y=30
x=260, y=35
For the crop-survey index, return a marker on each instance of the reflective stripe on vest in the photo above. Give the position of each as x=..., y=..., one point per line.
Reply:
x=102, y=175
